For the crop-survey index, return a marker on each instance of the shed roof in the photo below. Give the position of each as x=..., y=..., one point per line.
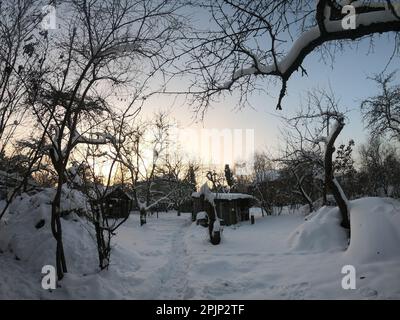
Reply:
x=118, y=188
x=226, y=196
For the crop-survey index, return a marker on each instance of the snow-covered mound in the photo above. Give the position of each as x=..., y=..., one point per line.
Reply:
x=201, y=215
x=320, y=232
x=171, y=258
x=27, y=233
x=375, y=229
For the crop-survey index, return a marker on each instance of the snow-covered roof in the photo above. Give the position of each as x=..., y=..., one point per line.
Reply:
x=201, y=215
x=226, y=196
x=114, y=188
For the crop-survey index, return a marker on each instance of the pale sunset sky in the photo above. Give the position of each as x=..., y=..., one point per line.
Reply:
x=347, y=77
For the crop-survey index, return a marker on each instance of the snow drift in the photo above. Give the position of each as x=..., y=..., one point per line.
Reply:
x=27, y=244
x=171, y=258
x=375, y=229
x=320, y=232
x=27, y=233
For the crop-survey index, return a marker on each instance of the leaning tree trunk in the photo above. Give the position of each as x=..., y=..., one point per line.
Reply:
x=330, y=181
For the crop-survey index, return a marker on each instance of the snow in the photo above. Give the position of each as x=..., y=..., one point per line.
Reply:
x=320, y=232
x=141, y=260
x=342, y=194
x=375, y=225
x=305, y=39
x=71, y=199
x=285, y=257
x=216, y=226
x=201, y=215
x=208, y=195
x=21, y=238
x=224, y=196
x=279, y=257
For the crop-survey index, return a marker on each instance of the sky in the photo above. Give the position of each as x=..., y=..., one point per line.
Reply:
x=347, y=76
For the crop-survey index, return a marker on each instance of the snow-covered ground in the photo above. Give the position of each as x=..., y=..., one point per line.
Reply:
x=285, y=257
x=279, y=257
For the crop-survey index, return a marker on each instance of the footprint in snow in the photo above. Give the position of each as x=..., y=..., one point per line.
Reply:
x=368, y=292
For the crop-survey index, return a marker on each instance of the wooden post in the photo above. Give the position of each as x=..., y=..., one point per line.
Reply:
x=142, y=217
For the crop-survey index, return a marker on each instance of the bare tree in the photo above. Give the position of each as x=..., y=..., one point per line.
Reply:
x=303, y=158
x=159, y=144
x=180, y=175
x=330, y=179
x=379, y=168
x=22, y=44
x=218, y=181
x=262, y=185
x=382, y=112
x=323, y=113
x=96, y=189
x=328, y=109
x=23, y=52
x=102, y=46
x=144, y=151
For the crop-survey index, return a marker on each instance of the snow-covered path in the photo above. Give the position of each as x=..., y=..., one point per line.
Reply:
x=171, y=258
x=259, y=262
x=174, y=281
x=161, y=254
x=252, y=261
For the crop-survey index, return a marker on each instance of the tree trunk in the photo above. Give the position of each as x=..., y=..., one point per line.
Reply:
x=142, y=216
x=99, y=236
x=61, y=265
x=324, y=192
x=215, y=237
x=329, y=178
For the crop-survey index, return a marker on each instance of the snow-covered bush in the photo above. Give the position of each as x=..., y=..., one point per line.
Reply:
x=27, y=233
x=202, y=218
x=375, y=231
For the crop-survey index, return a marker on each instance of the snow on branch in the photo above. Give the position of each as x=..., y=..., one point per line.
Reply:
x=143, y=206
x=373, y=19
x=101, y=138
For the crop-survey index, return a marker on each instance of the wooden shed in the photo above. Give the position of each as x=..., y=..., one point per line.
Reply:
x=117, y=203
x=231, y=207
